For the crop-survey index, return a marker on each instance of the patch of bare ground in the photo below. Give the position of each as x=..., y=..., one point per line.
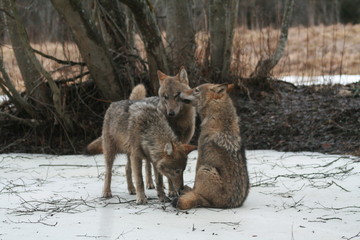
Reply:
x=302, y=118
x=291, y=118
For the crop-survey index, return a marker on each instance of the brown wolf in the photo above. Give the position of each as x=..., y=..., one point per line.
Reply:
x=142, y=132
x=180, y=116
x=221, y=178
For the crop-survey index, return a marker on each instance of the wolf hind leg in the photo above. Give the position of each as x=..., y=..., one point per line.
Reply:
x=136, y=167
x=130, y=184
x=109, y=148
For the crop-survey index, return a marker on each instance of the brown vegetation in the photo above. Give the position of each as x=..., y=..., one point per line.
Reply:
x=294, y=119
x=315, y=51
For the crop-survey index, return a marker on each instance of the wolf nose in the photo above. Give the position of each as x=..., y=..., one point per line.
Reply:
x=171, y=114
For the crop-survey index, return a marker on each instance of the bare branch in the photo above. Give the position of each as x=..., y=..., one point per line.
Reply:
x=71, y=63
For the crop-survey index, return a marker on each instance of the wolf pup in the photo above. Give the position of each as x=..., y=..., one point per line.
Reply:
x=221, y=179
x=142, y=132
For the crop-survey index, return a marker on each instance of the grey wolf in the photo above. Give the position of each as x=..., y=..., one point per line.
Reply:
x=141, y=131
x=180, y=116
x=221, y=178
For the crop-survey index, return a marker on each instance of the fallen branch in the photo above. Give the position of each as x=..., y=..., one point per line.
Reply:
x=76, y=165
x=38, y=221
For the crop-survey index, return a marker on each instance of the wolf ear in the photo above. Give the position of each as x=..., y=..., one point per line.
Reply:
x=161, y=76
x=219, y=88
x=230, y=87
x=223, y=87
x=182, y=75
x=189, y=148
x=168, y=149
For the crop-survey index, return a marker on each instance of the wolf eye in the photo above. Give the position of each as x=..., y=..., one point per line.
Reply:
x=196, y=90
x=166, y=97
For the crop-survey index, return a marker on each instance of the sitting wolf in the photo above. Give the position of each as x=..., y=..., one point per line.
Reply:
x=221, y=178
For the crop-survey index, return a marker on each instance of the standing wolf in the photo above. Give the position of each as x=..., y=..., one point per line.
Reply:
x=221, y=178
x=180, y=117
x=142, y=132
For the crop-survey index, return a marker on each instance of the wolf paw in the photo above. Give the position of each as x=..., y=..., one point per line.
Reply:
x=164, y=199
x=107, y=194
x=172, y=194
x=141, y=200
x=150, y=185
x=132, y=191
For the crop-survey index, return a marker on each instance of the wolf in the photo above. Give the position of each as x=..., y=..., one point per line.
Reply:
x=95, y=147
x=180, y=116
x=141, y=131
x=221, y=178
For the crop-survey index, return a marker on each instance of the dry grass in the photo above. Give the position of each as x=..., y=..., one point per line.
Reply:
x=63, y=51
x=319, y=50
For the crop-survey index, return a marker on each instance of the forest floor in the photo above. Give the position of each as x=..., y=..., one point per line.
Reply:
x=319, y=118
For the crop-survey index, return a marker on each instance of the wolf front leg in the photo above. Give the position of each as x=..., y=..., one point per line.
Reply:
x=136, y=166
x=149, y=179
x=172, y=193
x=160, y=186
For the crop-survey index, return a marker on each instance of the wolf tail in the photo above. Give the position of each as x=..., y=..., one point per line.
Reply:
x=190, y=200
x=138, y=92
x=95, y=147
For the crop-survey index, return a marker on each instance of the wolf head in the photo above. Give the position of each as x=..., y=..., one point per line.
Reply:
x=170, y=89
x=201, y=95
x=173, y=163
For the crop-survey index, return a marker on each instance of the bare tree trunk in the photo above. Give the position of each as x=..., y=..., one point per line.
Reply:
x=311, y=12
x=222, y=18
x=231, y=18
x=9, y=89
x=156, y=56
x=111, y=18
x=31, y=64
x=264, y=67
x=180, y=34
x=92, y=48
x=35, y=87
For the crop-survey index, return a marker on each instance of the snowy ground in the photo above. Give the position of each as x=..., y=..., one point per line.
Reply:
x=326, y=79
x=293, y=196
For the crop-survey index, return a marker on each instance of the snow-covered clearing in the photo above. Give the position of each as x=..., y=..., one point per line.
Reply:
x=293, y=196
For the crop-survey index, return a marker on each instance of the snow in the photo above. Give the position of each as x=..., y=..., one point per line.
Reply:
x=293, y=196
x=325, y=79
x=3, y=98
